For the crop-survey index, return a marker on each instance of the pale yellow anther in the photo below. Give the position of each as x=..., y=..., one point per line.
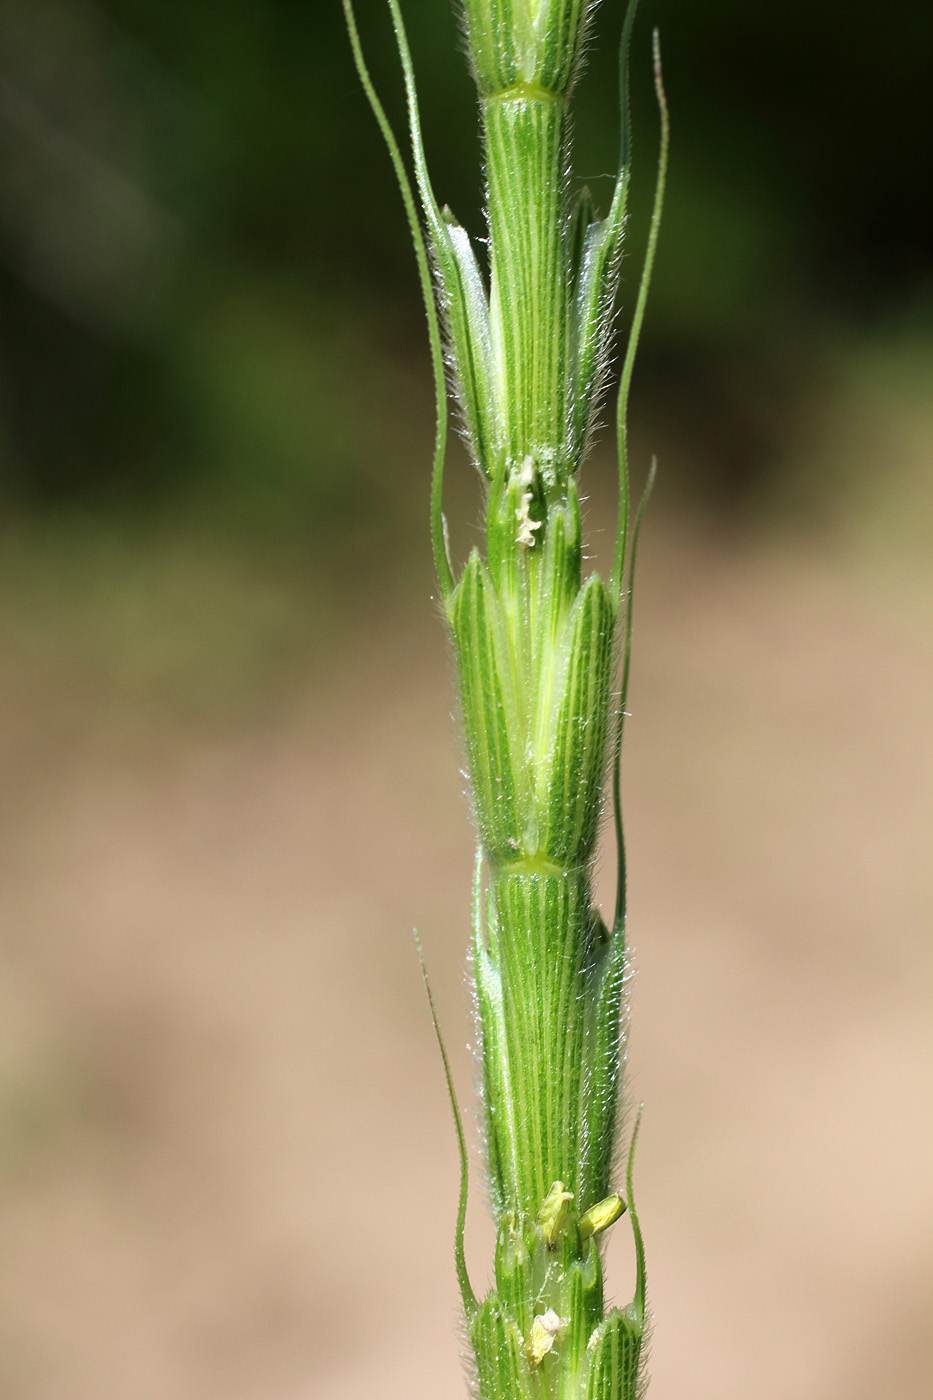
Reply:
x=552, y=1216
x=544, y=1333
x=601, y=1216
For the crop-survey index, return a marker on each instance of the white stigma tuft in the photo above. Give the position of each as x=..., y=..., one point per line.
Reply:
x=526, y=526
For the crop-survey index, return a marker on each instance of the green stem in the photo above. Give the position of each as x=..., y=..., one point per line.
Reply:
x=536, y=646
x=524, y=134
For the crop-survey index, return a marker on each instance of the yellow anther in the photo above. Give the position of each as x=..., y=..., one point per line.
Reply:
x=552, y=1217
x=601, y=1216
x=544, y=1333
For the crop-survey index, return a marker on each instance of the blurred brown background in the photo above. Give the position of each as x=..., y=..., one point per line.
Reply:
x=230, y=773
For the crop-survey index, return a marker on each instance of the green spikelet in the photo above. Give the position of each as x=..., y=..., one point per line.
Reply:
x=615, y=1360
x=537, y=646
x=502, y=1363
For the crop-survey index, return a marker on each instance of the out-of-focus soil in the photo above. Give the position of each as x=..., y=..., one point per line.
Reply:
x=227, y=1167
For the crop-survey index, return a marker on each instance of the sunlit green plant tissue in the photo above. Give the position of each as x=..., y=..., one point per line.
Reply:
x=538, y=649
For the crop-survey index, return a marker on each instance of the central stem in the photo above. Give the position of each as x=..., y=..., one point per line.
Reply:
x=525, y=137
x=542, y=955
x=536, y=648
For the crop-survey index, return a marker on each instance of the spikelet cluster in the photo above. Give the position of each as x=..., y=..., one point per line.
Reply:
x=537, y=645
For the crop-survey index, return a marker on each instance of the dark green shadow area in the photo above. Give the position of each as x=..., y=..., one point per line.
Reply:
x=215, y=407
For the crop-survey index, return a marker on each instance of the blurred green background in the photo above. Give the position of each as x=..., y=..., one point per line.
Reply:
x=228, y=772
x=212, y=362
